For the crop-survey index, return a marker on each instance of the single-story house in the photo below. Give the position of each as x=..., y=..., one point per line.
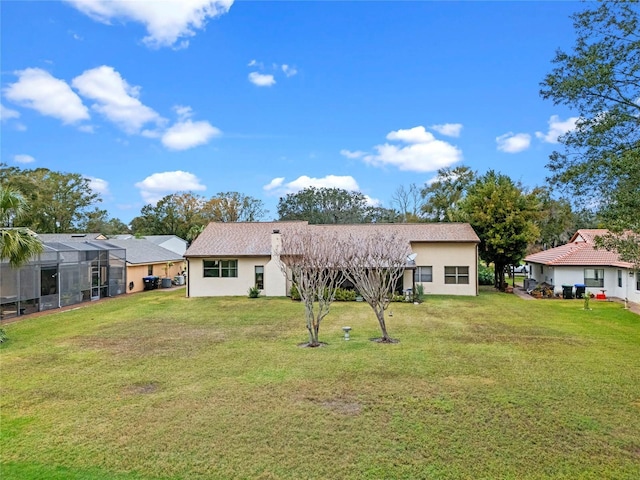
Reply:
x=145, y=258
x=230, y=258
x=170, y=242
x=65, y=273
x=580, y=262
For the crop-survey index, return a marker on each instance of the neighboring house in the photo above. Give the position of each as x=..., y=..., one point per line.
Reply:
x=170, y=242
x=65, y=273
x=145, y=258
x=579, y=262
x=229, y=258
x=144, y=255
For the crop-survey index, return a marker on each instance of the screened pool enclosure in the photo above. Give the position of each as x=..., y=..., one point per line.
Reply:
x=64, y=274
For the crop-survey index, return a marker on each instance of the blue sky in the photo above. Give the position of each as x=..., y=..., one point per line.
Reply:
x=265, y=98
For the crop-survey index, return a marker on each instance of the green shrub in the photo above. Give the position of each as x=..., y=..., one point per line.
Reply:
x=344, y=295
x=3, y=336
x=294, y=293
x=418, y=295
x=254, y=292
x=485, y=275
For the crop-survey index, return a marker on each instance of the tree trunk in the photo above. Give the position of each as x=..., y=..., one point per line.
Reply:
x=383, y=325
x=313, y=327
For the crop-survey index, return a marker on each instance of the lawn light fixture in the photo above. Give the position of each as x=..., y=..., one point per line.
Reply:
x=346, y=332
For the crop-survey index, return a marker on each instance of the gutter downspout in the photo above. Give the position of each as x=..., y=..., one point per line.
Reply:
x=188, y=276
x=477, y=290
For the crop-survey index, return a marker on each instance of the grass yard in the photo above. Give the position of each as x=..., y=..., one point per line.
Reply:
x=158, y=386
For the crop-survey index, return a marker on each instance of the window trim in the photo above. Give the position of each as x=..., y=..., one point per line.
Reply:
x=458, y=275
x=220, y=268
x=595, y=281
x=259, y=277
x=418, y=275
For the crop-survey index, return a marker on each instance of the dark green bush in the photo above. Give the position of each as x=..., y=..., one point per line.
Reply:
x=254, y=292
x=344, y=295
x=295, y=294
x=485, y=275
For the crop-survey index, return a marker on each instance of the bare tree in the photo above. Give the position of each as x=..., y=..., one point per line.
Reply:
x=407, y=201
x=375, y=263
x=310, y=260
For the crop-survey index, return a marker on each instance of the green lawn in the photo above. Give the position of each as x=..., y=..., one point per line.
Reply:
x=158, y=386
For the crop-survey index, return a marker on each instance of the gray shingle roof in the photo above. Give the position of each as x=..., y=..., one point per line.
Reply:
x=70, y=237
x=254, y=238
x=141, y=251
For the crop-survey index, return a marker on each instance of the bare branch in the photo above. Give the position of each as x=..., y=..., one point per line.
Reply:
x=311, y=262
x=375, y=263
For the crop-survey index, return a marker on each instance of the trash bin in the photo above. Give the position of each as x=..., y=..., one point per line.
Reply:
x=179, y=279
x=150, y=282
x=567, y=291
x=580, y=290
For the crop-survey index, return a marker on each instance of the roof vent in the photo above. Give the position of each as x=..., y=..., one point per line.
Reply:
x=276, y=231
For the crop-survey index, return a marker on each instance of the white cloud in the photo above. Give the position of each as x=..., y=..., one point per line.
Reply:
x=278, y=187
x=288, y=70
x=23, y=158
x=513, y=142
x=39, y=90
x=448, y=129
x=188, y=134
x=115, y=98
x=98, y=185
x=557, y=128
x=183, y=111
x=7, y=113
x=166, y=21
x=411, y=135
x=424, y=153
x=273, y=184
x=261, y=80
x=156, y=186
x=352, y=155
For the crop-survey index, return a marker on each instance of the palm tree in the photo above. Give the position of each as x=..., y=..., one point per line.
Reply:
x=17, y=244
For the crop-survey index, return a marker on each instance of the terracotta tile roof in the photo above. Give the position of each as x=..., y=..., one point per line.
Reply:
x=580, y=251
x=254, y=238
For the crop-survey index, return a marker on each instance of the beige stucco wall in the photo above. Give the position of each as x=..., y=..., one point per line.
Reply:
x=435, y=255
x=199, y=286
x=135, y=273
x=440, y=255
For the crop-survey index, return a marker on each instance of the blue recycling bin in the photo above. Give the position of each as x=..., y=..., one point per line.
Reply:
x=581, y=288
x=150, y=282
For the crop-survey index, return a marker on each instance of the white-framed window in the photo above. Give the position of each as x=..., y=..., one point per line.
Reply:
x=638, y=281
x=259, y=274
x=594, y=277
x=620, y=278
x=220, y=268
x=456, y=275
x=423, y=274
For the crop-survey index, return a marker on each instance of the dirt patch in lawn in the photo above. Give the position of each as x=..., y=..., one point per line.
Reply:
x=174, y=340
x=340, y=406
x=144, y=388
